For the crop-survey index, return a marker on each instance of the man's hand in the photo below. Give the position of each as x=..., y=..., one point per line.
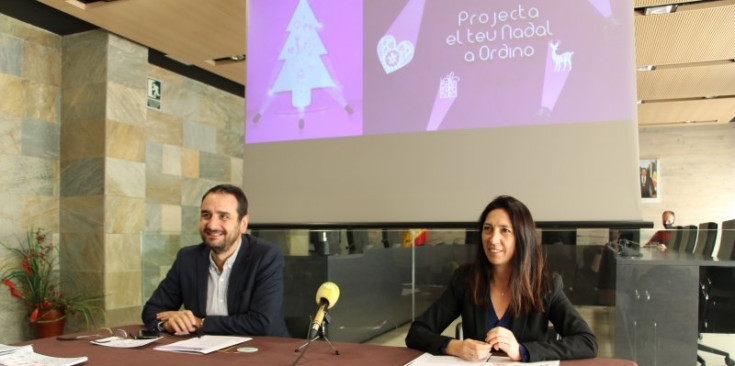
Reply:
x=179, y=322
x=468, y=349
x=502, y=339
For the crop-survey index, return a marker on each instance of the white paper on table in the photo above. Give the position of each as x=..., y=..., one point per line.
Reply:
x=26, y=357
x=429, y=359
x=118, y=342
x=204, y=344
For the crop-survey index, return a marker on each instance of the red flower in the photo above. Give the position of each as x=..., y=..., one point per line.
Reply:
x=17, y=294
x=34, y=315
x=27, y=268
x=8, y=283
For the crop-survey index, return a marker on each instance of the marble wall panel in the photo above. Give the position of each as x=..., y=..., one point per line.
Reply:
x=171, y=219
x=190, y=220
x=123, y=316
x=82, y=214
x=83, y=177
x=229, y=143
x=43, y=102
x=82, y=139
x=214, y=166
x=10, y=134
x=163, y=188
x=28, y=33
x=28, y=175
x=84, y=59
x=153, y=213
x=40, y=139
x=192, y=191
x=42, y=64
x=82, y=252
x=9, y=210
x=164, y=128
x=13, y=94
x=200, y=137
x=171, y=160
x=212, y=111
x=158, y=252
x=122, y=252
x=13, y=318
x=126, y=104
x=125, y=141
x=39, y=211
x=154, y=157
x=127, y=63
x=180, y=102
x=83, y=103
x=236, y=171
x=190, y=163
x=11, y=54
x=124, y=215
x=124, y=178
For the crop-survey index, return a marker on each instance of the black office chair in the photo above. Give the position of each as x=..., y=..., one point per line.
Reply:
x=716, y=288
x=676, y=236
x=691, y=238
x=727, y=240
x=706, y=239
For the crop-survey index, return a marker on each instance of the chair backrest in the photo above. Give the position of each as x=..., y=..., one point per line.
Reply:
x=706, y=240
x=727, y=240
x=684, y=234
x=691, y=239
x=675, y=241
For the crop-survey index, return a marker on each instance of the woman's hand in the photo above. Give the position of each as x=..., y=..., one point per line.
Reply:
x=468, y=349
x=502, y=339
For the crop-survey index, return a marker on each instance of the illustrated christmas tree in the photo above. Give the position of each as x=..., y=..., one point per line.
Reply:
x=303, y=69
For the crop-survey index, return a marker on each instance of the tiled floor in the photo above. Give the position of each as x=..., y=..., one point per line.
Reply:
x=596, y=318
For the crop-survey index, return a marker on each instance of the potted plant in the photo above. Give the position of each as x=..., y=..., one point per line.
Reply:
x=33, y=278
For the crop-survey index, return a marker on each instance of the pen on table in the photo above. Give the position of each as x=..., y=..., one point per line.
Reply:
x=487, y=359
x=199, y=332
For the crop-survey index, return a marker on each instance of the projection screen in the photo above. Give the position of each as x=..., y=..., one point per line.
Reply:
x=423, y=111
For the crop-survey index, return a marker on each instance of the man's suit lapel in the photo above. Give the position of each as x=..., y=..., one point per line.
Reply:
x=202, y=277
x=237, y=269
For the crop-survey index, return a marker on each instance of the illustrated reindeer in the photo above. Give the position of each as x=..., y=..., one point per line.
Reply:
x=561, y=62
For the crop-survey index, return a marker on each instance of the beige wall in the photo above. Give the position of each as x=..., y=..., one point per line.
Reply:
x=696, y=172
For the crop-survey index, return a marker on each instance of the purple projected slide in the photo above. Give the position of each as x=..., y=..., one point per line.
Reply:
x=329, y=68
x=304, y=77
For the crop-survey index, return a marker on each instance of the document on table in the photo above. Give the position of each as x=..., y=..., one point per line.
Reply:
x=204, y=344
x=24, y=356
x=10, y=349
x=118, y=342
x=428, y=359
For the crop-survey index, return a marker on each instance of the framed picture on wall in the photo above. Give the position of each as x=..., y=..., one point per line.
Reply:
x=649, y=179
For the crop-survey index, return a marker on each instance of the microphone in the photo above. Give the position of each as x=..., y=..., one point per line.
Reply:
x=326, y=297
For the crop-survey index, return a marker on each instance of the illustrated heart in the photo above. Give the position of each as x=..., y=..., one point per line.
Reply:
x=394, y=56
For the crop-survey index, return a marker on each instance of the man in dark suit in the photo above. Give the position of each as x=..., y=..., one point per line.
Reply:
x=647, y=189
x=231, y=283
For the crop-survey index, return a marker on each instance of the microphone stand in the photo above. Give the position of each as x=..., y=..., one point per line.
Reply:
x=319, y=334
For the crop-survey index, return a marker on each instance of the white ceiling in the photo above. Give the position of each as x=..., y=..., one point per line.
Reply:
x=693, y=48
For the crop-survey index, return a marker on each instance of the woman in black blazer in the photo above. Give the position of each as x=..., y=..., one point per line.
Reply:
x=506, y=298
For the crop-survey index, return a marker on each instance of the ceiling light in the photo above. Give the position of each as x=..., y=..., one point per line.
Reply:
x=646, y=68
x=665, y=9
x=710, y=96
x=639, y=101
x=237, y=58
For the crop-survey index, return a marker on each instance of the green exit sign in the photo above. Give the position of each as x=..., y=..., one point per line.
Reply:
x=154, y=94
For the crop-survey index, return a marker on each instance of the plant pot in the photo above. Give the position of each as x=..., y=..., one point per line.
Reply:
x=50, y=323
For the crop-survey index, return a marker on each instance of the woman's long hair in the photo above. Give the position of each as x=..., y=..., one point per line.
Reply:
x=528, y=278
